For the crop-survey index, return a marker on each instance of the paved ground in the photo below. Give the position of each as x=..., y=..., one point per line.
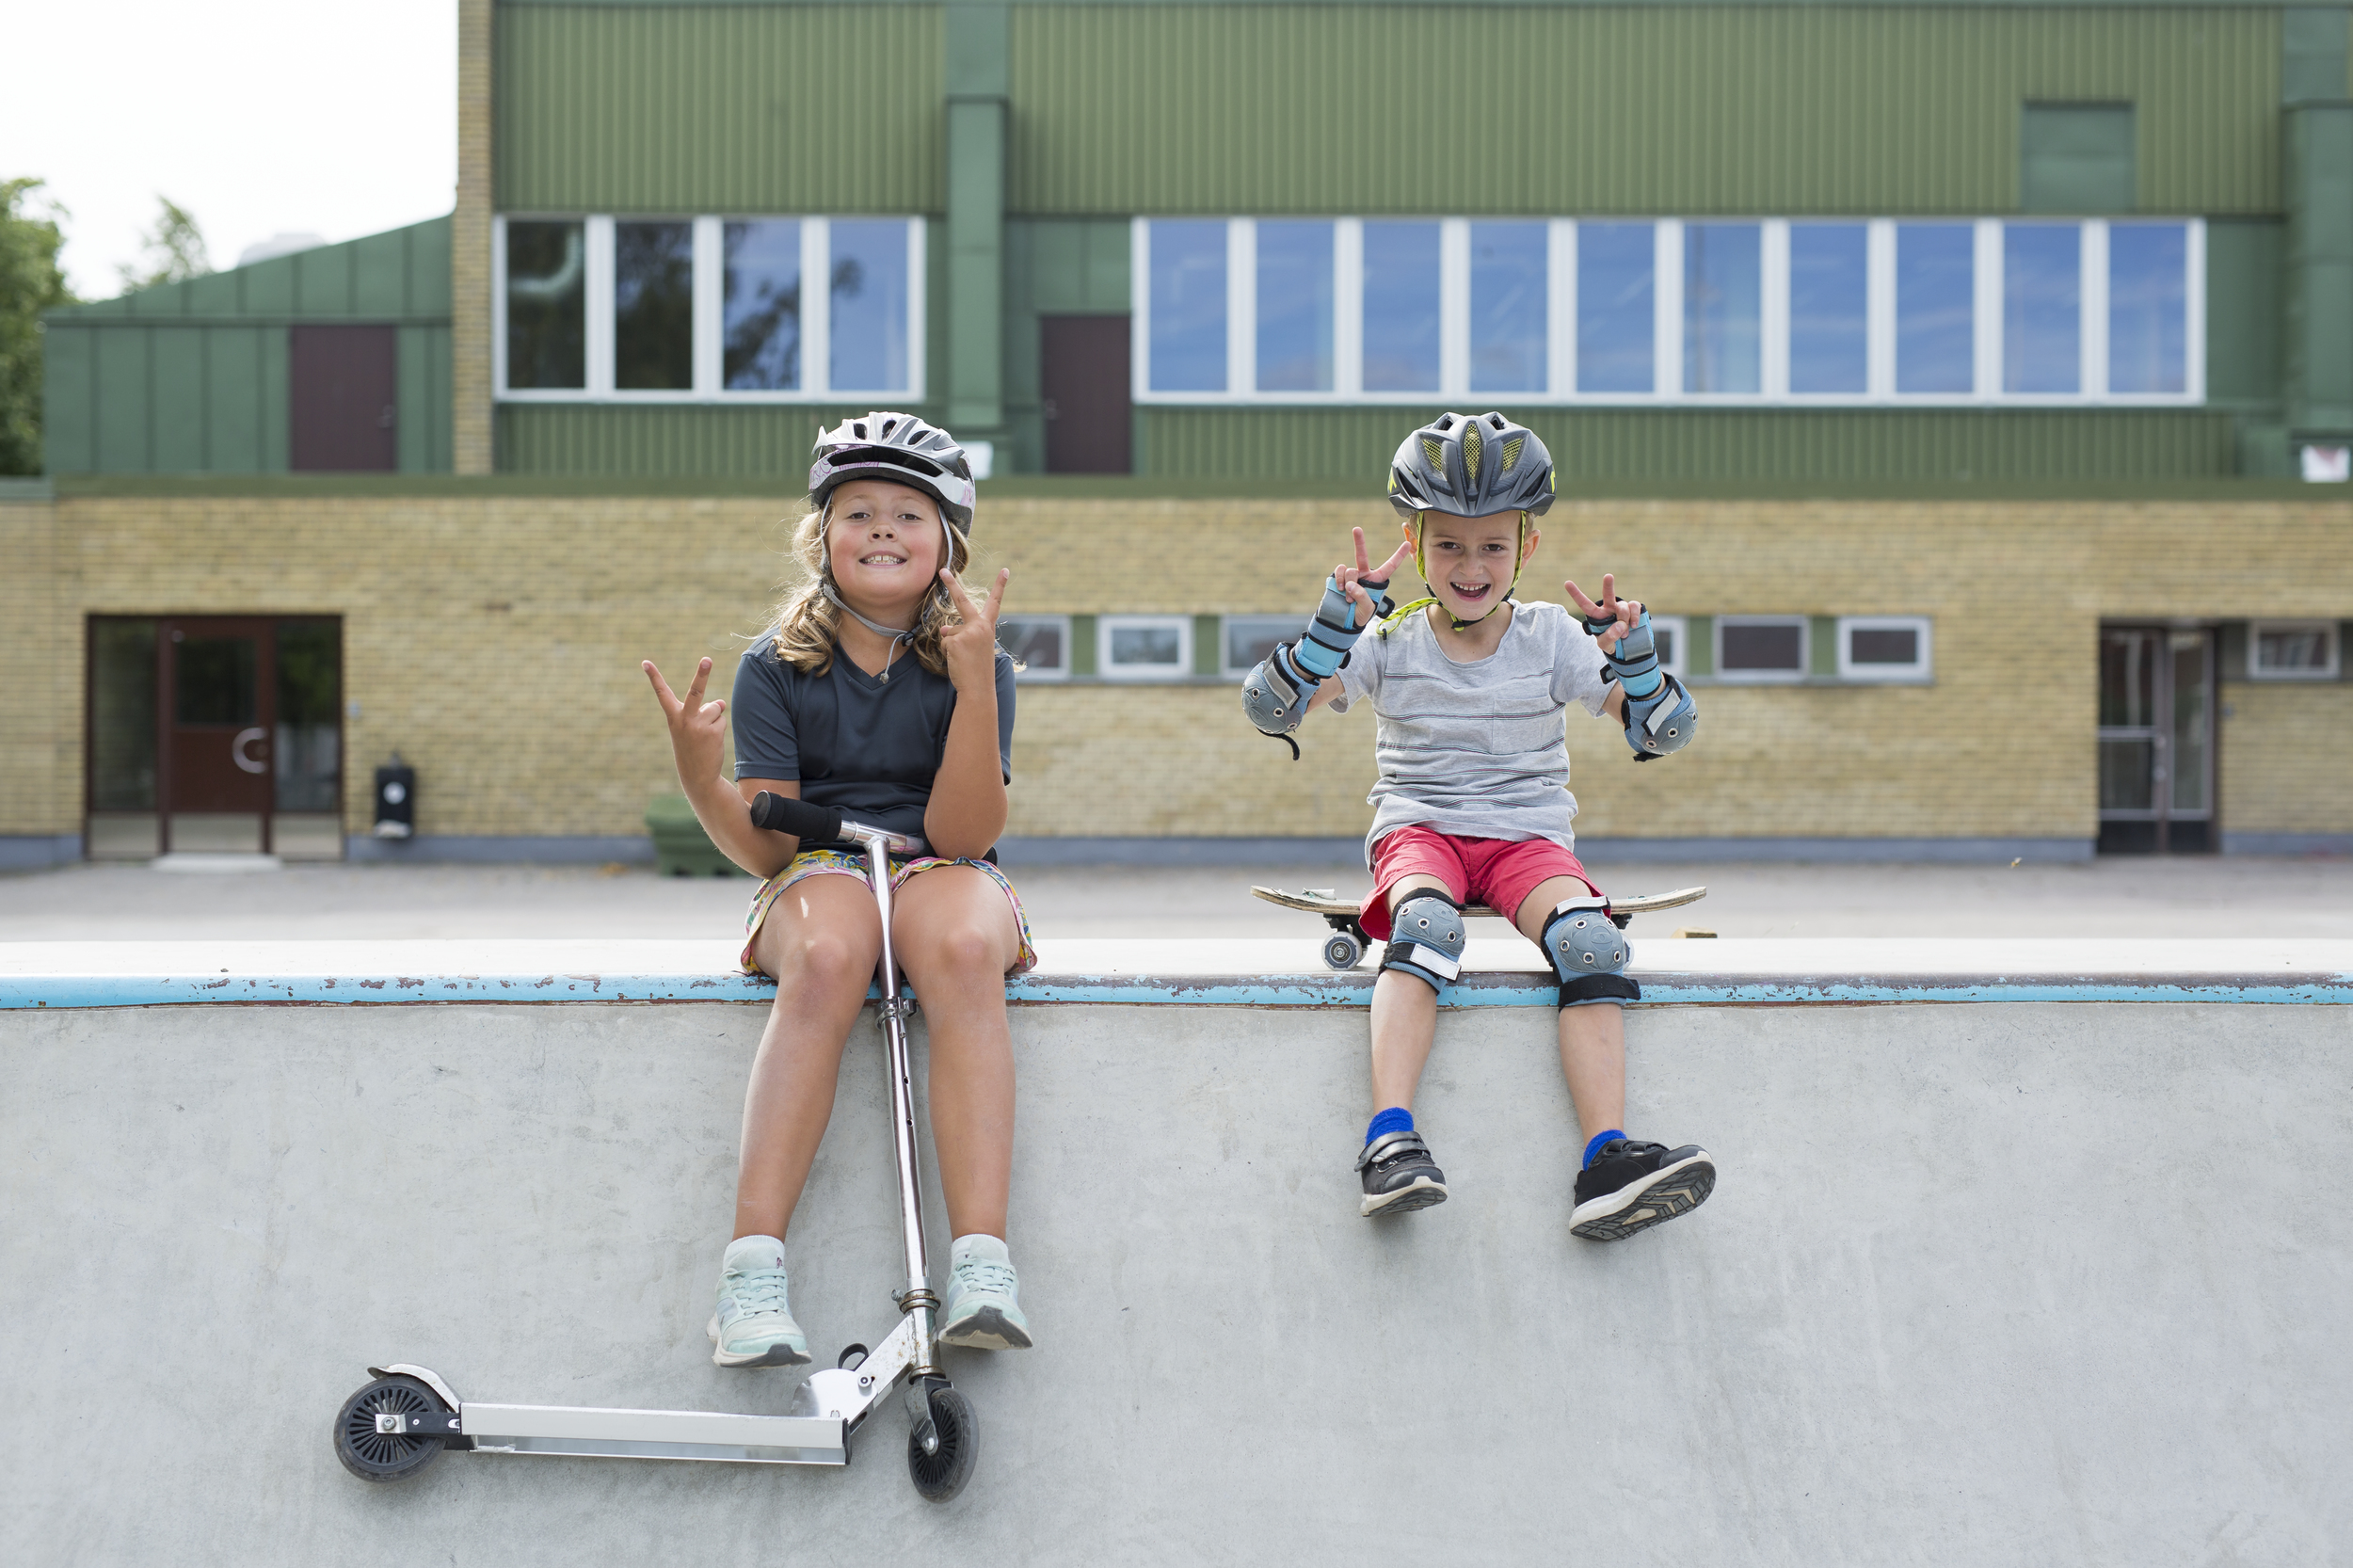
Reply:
x=2229, y=897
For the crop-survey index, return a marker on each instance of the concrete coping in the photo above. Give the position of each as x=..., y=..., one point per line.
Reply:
x=1498, y=972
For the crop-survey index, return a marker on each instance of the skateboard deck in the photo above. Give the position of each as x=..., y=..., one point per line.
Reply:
x=1346, y=944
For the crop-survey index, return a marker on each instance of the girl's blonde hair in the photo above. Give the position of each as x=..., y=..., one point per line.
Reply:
x=809, y=621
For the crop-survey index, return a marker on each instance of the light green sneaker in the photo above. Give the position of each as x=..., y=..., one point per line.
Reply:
x=984, y=1307
x=753, y=1325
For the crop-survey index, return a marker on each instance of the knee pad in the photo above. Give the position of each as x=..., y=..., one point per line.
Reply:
x=1589, y=952
x=1426, y=939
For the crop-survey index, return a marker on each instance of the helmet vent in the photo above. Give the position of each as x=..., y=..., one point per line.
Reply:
x=1446, y=422
x=1433, y=453
x=1512, y=453
x=1472, y=448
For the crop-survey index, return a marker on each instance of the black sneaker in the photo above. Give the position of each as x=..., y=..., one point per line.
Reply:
x=1399, y=1176
x=1633, y=1186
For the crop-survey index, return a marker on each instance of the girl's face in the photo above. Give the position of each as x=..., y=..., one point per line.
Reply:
x=885, y=545
x=1469, y=562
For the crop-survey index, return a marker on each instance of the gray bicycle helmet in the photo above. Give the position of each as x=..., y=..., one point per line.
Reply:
x=902, y=449
x=1471, y=468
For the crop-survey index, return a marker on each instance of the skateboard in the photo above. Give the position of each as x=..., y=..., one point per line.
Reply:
x=1346, y=945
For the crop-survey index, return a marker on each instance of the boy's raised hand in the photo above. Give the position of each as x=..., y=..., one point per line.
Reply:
x=698, y=729
x=1612, y=607
x=970, y=645
x=1346, y=576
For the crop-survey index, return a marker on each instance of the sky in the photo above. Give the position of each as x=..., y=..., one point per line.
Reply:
x=258, y=116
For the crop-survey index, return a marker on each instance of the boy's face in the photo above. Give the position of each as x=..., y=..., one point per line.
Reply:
x=1469, y=562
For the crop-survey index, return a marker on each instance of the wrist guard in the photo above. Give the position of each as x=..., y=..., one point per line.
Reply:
x=1634, y=661
x=1334, y=631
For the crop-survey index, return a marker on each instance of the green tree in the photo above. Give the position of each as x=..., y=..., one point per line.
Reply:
x=171, y=252
x=30, y=283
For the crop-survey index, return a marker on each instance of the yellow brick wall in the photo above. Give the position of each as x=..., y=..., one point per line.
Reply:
x=495, y=641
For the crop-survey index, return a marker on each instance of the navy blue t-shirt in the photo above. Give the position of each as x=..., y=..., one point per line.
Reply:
x=867, y=747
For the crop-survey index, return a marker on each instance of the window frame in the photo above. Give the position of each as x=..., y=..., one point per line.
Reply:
x=2329, y=629
x=1920, y=672
x=1105, y=670
x=1681, y=628
x=1764, y=678
x=1031, y=672
x=708, y=350
x=1988, y=302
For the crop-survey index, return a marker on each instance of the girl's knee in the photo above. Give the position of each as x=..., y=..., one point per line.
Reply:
x=828, y=960
x=969, y=950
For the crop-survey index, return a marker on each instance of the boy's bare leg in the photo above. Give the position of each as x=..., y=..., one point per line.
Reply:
x=956, y=937
x=821, y=940
x=1404, y=1019
x=1593, y=1038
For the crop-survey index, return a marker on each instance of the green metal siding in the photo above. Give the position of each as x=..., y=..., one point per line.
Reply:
x=2242, y=313
x=1637, y=446
x=719, y=109
x=424, y=388
x=1798, y=109
x=769, y=438
x=2075, y=158
x=1053, y=267
x=399, y=274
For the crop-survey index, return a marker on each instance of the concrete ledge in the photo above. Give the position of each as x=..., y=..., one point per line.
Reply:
x=2287, y=843
x=1284, y=974
x=493, y=849
x=38, y=851
x=1018, y=851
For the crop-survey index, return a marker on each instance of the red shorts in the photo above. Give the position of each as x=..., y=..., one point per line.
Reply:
x=1497, y=872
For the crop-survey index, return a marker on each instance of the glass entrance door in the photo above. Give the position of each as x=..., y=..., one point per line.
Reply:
x=218, y=715
x=2157, y=740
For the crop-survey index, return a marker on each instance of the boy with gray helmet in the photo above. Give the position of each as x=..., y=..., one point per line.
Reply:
x=1471, y=687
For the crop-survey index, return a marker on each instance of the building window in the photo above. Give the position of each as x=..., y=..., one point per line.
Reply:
x=1041, y=643
x=1768, y=312
x=1251, y=639
x=710, y=309
x=1760, y=647
x=2292, y=651
x=546, y=267
x=1144, y=647
x=1670, y=635
x=1883, y=647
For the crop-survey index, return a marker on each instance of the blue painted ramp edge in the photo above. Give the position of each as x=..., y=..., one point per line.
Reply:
x=20, y=992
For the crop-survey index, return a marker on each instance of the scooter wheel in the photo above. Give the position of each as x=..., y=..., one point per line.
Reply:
x=940, y=1475
x=372, y=1455
x=1341, y=950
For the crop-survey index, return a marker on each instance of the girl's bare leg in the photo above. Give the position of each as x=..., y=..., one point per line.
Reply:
x=821, y=940
x=955, y=937
x=1593, y=1038
x=1404, y=1019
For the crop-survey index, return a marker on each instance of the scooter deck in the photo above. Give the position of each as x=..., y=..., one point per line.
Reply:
x=525, y=1429
x=1316, y=900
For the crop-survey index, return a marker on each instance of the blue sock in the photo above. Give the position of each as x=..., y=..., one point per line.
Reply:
x=1599, y=1139
x=1395, y=1119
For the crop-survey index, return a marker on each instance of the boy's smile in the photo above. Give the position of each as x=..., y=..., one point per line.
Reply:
x=1470, y=563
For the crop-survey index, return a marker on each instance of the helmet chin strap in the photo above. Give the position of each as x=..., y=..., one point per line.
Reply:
x=1519, y=561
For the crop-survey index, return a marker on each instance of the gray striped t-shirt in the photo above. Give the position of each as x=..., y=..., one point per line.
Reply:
x=1478, y=750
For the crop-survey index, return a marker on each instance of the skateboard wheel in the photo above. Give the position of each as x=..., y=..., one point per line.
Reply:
x=1341, y=950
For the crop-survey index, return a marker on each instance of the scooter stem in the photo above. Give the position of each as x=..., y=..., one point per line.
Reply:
x=918, y=1301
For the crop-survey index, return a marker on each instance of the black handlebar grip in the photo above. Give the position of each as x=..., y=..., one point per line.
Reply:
x=783, y=815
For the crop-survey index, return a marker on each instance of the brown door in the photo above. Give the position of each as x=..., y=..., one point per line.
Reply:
x=220, y=716
x=342, y=398
x=1084, y=379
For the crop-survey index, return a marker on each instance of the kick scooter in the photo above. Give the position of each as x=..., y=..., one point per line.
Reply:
x=401, y=1422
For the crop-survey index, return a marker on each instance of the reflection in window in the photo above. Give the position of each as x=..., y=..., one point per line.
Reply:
x=122, y=715
x=1829, y=324
x=653, y=307
x=1040, y=643
x=1294, y=306
x=1188, y=345
x=2148, y=307
x=1250, y=640
x=761, y=311
x=1400, y=308
x=1935, y=277
x=1721, y=298
x=310, y=718
x=1614, y=328
x=1507, y=303
x=869, y=305
x=547, y=343
x=2042, y=307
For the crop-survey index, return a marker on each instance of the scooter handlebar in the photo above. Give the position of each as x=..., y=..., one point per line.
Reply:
x=812, y=823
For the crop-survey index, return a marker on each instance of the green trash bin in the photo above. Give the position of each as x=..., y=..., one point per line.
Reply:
x=681, y=846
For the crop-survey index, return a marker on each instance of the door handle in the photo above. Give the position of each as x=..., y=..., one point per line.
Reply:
x=256, y=735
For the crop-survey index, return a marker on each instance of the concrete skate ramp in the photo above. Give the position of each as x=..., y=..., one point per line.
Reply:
x=2027, y=1281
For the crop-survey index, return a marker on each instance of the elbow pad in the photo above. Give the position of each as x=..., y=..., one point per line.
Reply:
x=1661, y=722
x=1334, y=631
x=1274, y=695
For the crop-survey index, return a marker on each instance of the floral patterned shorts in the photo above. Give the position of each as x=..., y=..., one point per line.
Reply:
x=836, y=862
